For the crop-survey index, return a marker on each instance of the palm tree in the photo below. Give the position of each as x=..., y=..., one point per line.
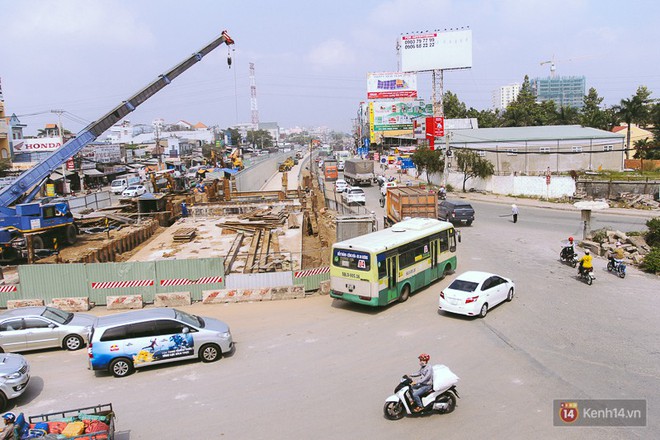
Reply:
x=633, y=110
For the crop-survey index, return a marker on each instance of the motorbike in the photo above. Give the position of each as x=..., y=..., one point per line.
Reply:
x=568, y=255
x=587, y=275
x=442, y=195
x=441, y=399
x=617, y=266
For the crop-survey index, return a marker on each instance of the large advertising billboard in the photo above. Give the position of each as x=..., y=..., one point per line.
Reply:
x=437, y=50
x=38, y=144
x=398, y=115
x=388, y=85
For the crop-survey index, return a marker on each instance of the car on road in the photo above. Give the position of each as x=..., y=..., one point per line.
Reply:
x=353, y=194
x=474, y=293
x=125, y=341
x=14, y=377
x=340, y=185
x=35, y=328
x=134, y=191
x=456, y=211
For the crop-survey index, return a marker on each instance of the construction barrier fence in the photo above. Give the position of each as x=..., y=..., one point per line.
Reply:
x=311, y=278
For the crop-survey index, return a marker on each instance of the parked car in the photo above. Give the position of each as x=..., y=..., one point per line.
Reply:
x=474, y=293
x=35, y=328
x=134, y=191
x=456, y=211
x=353, y=194
x=340, y=185
x=14, y=377
x=125, y=341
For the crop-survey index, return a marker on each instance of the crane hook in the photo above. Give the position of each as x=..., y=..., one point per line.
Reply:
x=229, y=58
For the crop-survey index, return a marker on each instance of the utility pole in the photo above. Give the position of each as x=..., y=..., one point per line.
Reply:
x=59, y=129
x=158, y=124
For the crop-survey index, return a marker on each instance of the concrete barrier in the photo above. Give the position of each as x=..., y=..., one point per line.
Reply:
x=124, y=302
x=173, y=299
x=222, y=296
x=77, y=304
x=324, y=287
x=16, y=303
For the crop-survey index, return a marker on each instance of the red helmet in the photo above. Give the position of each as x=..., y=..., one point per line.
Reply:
x=424, y=357
x=570, y=239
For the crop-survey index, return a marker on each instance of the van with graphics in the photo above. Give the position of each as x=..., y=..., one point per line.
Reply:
x=123, y=342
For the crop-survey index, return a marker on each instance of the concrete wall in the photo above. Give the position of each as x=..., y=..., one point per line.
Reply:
x=560, y=186
x=611, y=189
x=254, y=177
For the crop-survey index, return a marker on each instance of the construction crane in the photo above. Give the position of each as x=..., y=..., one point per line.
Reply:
x=46, y=220
x=552, y=62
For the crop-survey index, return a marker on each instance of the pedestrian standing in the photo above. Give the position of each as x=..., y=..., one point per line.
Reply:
x=514, y=212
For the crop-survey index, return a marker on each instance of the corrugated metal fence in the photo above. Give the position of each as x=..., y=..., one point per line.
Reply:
x=97, y=281
x=100, y=280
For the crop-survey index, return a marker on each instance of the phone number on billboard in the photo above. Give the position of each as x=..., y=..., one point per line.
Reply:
x=419, y=43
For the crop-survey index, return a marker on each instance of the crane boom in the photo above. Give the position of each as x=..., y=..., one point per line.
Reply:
x=30, y=181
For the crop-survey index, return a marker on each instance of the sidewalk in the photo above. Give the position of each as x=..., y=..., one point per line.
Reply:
x=404, y=179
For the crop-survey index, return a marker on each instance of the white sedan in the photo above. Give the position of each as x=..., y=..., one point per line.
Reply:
x=474, y=293
x=355, y=195
x=340, y=185
x=134, y=191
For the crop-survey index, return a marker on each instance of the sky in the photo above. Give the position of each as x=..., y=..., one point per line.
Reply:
x=311, y=58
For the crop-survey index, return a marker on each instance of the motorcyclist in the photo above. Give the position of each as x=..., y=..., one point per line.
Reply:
x=442, y=193
x=585, y=262
x=425, y=383
x=616, y=256
x=568, y=250
x=7, y=432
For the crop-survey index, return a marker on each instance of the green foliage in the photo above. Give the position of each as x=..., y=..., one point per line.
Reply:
x=592, y=115
x=599, y=236
x=653, y=235
x=453, y=107
x=651, y=261
x=259, y=138
x=486, y=118
x=427, y=160
x=235, y=136
x=472, y=165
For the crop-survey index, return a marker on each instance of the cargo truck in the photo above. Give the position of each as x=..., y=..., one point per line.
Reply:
x=359, y=172
x=410, y=201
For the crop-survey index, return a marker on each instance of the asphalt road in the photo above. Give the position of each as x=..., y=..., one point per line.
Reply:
x=322, y=368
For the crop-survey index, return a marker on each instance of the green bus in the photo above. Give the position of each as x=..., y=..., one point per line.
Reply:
x=379, y=268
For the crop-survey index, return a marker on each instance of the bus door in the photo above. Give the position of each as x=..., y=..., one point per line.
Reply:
x=434, y=258
x=392, y=272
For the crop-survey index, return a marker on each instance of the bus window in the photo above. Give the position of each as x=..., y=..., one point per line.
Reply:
x=382, y=266
x=414, y=252
x=444, y=241
x=452, y=240
x=351, y=260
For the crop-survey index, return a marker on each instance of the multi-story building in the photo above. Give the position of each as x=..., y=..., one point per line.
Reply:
x=504, y=95
x=565, y=91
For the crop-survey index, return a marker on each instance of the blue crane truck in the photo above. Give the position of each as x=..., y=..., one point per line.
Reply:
x=43, y=220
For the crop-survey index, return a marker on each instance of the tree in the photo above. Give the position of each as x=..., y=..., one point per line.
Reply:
x=592, y=115
x=429, y=161
x=5, y=165
x=453, y=108
x=234, y=136
x=568, y=116
x=472, y=165
x=486, y=118
x=523, y=111
x=261, y=138
x=634, y=110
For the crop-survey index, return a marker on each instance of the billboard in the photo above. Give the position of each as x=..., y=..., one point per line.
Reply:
x=37, y=144
x=427, y=127
x=398, y=115
x=437, y=50
x=387, y=85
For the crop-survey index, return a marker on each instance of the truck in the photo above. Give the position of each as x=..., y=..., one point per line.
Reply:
x=23, y=220
x=103, y=413
x=330, y=172
x=286, y=165
x=359, y=172
x=410, y=201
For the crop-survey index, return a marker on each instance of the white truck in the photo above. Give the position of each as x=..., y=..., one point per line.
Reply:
x=359, y=172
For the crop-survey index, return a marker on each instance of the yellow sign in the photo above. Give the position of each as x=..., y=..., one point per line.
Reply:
x=50, y=190
x=372, y=133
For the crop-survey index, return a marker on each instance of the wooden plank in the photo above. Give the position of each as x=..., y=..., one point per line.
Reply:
x=252, y=252
x=265, y=244
x=233, y=251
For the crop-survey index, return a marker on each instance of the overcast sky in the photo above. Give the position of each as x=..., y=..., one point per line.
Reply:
x=311, y=57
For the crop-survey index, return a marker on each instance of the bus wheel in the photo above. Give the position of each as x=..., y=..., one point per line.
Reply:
x=447, y=271
x=405, y=293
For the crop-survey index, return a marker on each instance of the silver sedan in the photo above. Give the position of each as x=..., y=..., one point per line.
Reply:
x=35, y=328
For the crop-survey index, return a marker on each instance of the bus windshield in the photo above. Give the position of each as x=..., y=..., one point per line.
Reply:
x=349, y=259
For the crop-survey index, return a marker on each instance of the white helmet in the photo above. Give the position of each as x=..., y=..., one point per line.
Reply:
x=586, y=251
